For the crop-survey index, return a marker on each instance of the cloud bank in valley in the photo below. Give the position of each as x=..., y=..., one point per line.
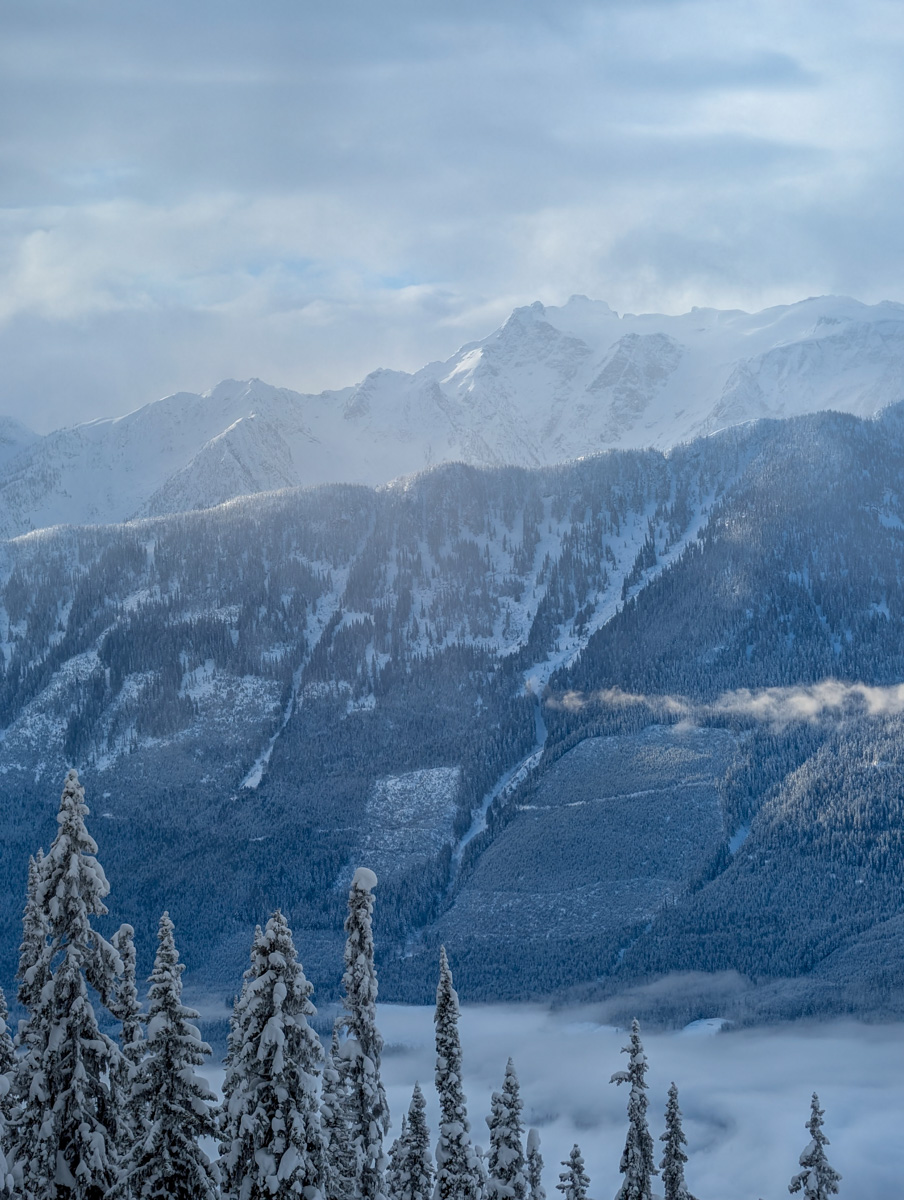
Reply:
x=303, y=193
x=745, y=1095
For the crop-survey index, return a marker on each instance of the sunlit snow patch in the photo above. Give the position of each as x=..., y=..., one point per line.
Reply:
x=706, y=1027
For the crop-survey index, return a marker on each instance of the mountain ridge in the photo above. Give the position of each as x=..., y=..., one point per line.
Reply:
x=550, y=385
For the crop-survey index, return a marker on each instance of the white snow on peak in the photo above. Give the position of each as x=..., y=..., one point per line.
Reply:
x=552, y=384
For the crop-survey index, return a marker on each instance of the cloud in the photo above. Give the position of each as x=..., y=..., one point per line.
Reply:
x=614, y=697
x=780, y=706
x=776, y=706
x=413, y=172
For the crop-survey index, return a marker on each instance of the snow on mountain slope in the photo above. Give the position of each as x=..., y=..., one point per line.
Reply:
x=552, y=384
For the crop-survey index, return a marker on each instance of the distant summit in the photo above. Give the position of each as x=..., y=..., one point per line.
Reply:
x=552, y=384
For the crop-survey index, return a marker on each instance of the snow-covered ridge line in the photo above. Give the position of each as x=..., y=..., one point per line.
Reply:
x=551, y=385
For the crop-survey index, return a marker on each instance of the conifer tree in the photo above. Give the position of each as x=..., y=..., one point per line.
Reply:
x=394, y=1163
x=33, y=972
x=368, y=1112
x=459, y=1175
x=416, y=1176
x=272, y=1144
x=7, y=1179
x=7, y=1070
x=127, y=1009
x=573, y=1181
x=34, y=967
x=166, y=1162
x=637, y=1157
x=235, y=1036
x=7, y=1053
x=673, y=1157
x=536, y=1190
x=63, y=1133
x=506, y=1168
x=125, y=1004
x=817, y=1180
x=338, y=1152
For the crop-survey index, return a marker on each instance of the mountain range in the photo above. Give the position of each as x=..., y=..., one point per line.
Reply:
x=552, y=384
x=597, y=726
x=625, y=728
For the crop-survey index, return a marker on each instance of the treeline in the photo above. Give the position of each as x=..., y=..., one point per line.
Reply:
x=87, y=1117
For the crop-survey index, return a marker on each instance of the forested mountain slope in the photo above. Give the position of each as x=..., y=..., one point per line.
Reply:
x=261, y=696
x=552, y=384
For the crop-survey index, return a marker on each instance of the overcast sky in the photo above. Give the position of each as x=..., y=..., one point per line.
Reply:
x=303, y=191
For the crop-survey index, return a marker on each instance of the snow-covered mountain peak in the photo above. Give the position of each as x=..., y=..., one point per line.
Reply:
x=243, y=392
x=552, y=383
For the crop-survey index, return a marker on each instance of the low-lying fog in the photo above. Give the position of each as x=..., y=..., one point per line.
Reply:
x=745, y=1095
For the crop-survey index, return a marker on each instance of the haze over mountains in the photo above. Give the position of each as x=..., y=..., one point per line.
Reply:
x=551, y=385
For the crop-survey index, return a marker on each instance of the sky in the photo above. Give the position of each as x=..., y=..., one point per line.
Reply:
x=303, y=192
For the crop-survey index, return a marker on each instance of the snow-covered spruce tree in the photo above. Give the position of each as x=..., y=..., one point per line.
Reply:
x=125, y=1004
x=396, y=1156
x=272, y=1140
x=536, y=1190
x=235, y=1036
x=673, y=1156
x=637, y=1157
x=7, y=1180
x=127, y=1009
x=339, y=1155
x=416, y=1177
x=506, y=1168
x=7, y=1052
x=166, y=1162
x=573, y=1181
x=459, y=1174
x=7, y=1068
x=34, y=966
x=62, y=1135
x=368, y=1112
x=817, y=1180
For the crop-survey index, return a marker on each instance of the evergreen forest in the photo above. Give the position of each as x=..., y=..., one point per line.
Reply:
x=85, y=1115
